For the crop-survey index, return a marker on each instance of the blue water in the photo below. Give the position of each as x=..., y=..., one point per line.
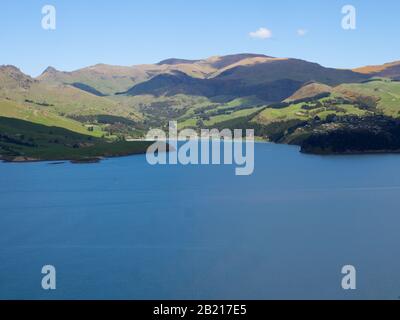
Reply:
x=123, y=229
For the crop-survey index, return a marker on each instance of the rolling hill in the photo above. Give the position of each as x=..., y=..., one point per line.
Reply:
x=42, y=116
x=22, y=140
x=279, y=97
x=63, y=99
x=309, y=90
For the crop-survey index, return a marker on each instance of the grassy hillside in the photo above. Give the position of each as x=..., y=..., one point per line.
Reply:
x=319, y=108
x=66, y=100
x=386, y=93
x=309, y=90
x=11, y=109
x=381, y=96
x=63, y=99
x=64, y=106
x=22, y=140
x=225, y=116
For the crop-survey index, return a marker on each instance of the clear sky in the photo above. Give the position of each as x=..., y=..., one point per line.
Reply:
x=127, y=32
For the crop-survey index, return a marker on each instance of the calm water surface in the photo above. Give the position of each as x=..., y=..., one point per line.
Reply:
x=122, y=229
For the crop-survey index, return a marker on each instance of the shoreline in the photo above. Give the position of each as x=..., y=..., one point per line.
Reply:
x=70, y=160
x=351, y=153
x=98, y=159
x=75, y=159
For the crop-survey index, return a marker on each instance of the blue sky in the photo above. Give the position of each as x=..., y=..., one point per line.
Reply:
x=127, y=32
